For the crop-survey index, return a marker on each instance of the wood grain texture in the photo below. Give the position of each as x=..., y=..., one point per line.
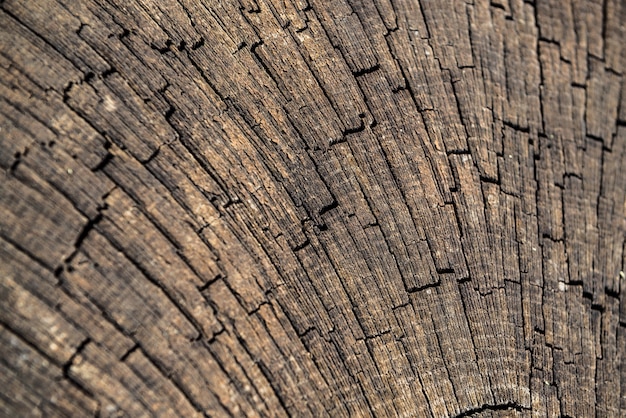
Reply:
x=312, y=208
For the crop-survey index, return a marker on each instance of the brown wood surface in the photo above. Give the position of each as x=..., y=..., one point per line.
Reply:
x=312, y=208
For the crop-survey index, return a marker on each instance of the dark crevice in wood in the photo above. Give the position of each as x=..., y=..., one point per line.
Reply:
x=498, y=407
x=89, y=226
x=301, y=245
x=105, y=74
x=612, y=293
x=374, y=336
x=425, y=287
x=597, y=307
x=102, y=164
x=490, y=180
x=256, y=310
x=524, y=129
x=595, y=138
x=364, y=71
x=455, y=93
x=458, y=152
x=210, y=282
x=17, y=160
x=70, y=362
x=356, y=129
x=553, y=239
x=130, y=351
x=280, y=86
x=333, y=205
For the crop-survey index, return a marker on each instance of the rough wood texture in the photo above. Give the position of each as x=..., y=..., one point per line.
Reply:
x=312, y=208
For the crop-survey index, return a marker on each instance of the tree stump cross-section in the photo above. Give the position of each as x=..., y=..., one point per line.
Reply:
x=312, y=208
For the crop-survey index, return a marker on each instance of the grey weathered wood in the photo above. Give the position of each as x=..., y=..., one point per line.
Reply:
x=312, y=208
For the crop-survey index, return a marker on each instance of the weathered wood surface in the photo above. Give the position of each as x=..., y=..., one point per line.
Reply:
x=312, y=208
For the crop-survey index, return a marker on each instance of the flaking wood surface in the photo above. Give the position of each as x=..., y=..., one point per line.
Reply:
x=312, y=208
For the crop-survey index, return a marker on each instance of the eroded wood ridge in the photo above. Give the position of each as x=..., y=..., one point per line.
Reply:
x=312, y=208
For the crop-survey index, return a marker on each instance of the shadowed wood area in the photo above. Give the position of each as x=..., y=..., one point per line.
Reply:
x=312, y=208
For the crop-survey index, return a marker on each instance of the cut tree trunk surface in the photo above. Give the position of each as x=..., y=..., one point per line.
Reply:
x=312, y=208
